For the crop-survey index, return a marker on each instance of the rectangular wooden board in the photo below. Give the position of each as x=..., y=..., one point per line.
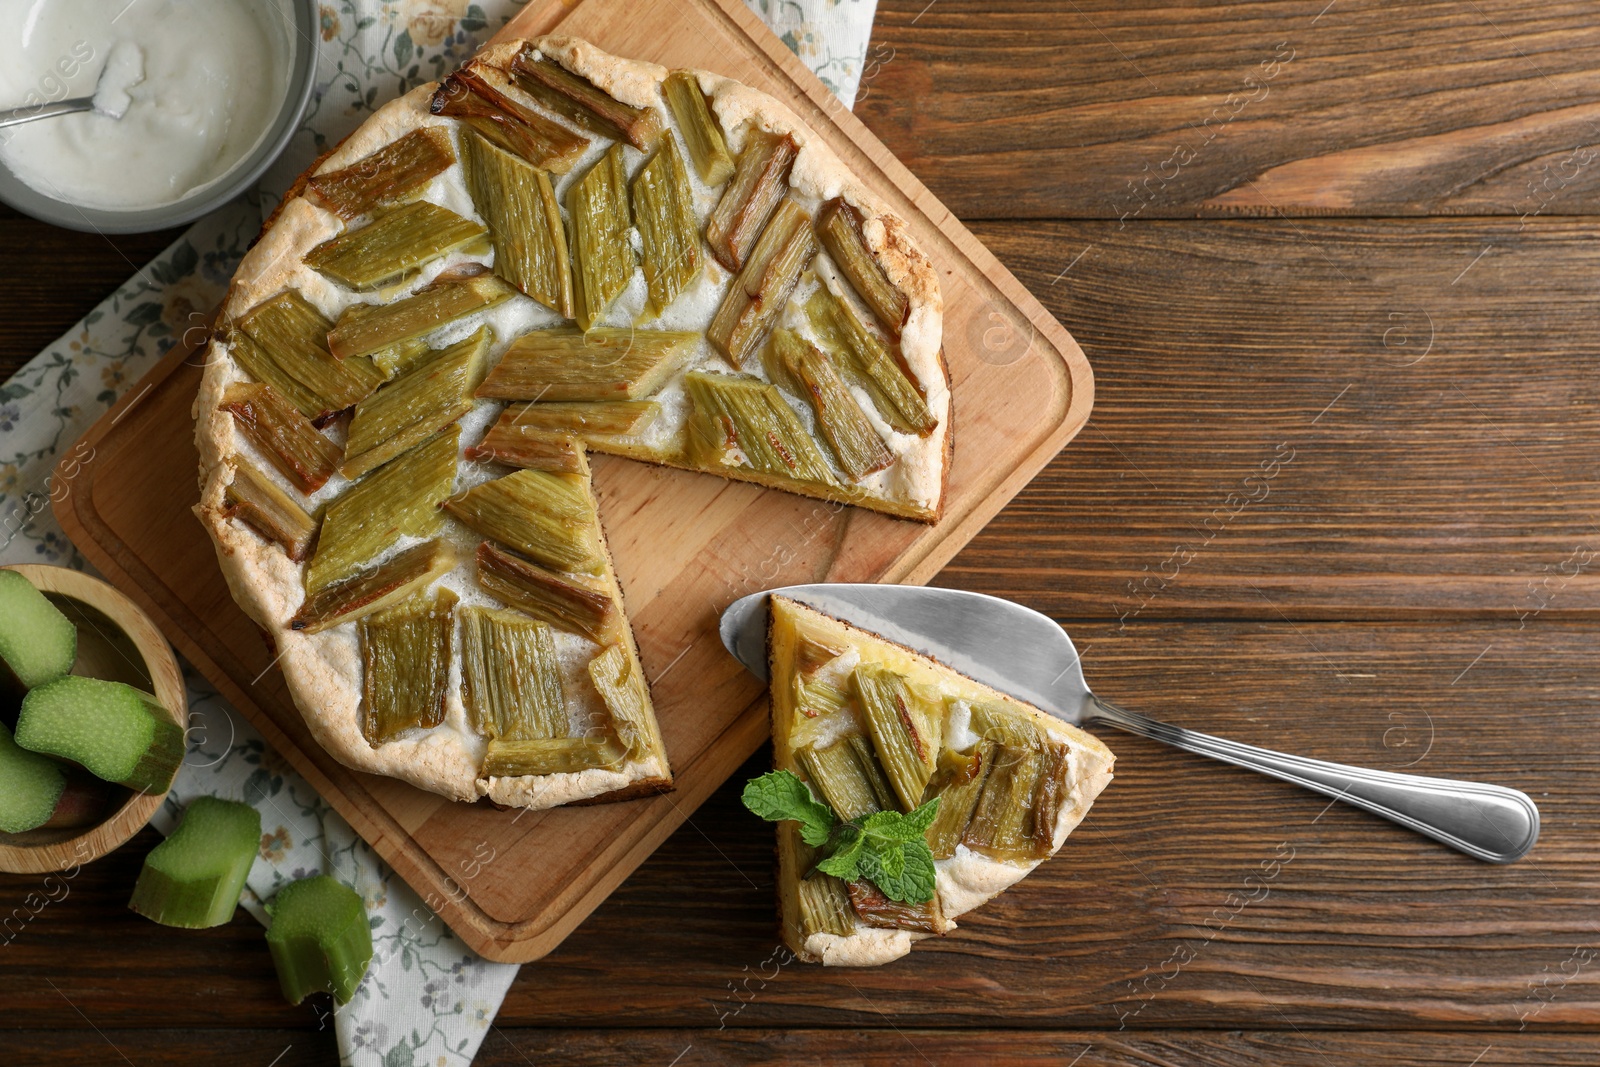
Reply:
x=514, y=884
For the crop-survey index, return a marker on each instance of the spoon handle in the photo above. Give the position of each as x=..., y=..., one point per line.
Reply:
x=1489, y=822
x=16, y=116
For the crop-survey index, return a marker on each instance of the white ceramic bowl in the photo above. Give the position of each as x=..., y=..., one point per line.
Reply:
x=303, y=61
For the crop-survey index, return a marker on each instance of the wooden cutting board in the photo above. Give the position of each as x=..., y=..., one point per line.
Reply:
x=514, y=884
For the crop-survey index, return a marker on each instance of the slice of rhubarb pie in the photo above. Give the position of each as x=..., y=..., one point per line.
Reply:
x=554, y=251
x=871, y=727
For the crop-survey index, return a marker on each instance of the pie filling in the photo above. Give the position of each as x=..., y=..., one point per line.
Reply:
x=871, y=726
x=525, y=268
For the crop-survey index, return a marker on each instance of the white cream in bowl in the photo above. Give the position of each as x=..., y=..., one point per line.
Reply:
x=202, y=82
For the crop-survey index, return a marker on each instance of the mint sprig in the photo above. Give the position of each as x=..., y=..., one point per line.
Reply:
x=886, y=848
x=780, y=795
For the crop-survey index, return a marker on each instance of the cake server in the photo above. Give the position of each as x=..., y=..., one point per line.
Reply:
x=1021, y=652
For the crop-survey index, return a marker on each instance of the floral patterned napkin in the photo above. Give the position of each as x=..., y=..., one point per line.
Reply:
x=427, y=998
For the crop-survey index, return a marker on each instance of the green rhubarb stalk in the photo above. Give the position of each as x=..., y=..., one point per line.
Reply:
x=550, y=518
x=877, y=909
x=581, y=102
x=427, y=398
x=264, y=367
x=292, y=336
x=520, y=446
x=626, y=697
x=518, y=202
x=479, y=104
x=742, y=421
x=699, y=126
x=550, y=755
x=320, y=938
x=842, y=230
x=399, y=499
x=759, y=181
x=958, y=781
x=602, y=255
x=375, y=588
x=394, y=245
x=663, y=211
x=37, y=642
x=194, y=878
x=363, y=331
x=288, y=439
x=405, y=654
x=824, y=906
x=41, y=793
x=800, y=367
x=861, y=356
x=30, y=786
x=115, y=731
x=605, y=363
x=906, y=729
x=510, y=676
x=258, y=503
x=566, y=602
x=755, y=301
x=391, y=174
x=612, y=418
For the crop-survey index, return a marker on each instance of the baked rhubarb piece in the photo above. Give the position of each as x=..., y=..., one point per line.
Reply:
x=669, y=233
x=698, y=126
x=392, y=175
x=756, y=299
x=287, y=438
x=394, y=245
x=552, y=252
x=906, y=794
x=602, y=255
x=518, y=202
x=759, y=182
x=254, y=500
x=476, y=96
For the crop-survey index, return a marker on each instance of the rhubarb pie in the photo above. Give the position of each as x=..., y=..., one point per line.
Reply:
x=872, y=726
x=554, y=251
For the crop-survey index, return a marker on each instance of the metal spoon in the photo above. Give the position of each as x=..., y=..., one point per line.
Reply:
x=125, y=64
x=1021, y=652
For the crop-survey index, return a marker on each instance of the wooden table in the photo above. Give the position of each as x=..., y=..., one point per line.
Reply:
x=1339, y=496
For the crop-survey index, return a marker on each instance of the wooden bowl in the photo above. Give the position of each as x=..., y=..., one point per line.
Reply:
x=118, y=642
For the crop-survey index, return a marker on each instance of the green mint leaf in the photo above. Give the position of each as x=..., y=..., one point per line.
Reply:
x=896, y=856
x=903, y=871
x=883, y=825
x=845, y=862
x=815, y=832
x=889, y=862
x=915, y=826
x=893, y=826
x=779, y=796
x=887, y=848
x=843, y=867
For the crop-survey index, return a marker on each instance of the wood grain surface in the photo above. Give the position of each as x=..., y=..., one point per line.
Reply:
x=1106, y=109
x=1424, y=565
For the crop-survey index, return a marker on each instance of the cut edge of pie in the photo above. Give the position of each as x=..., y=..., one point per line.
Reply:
x=813, y=660
x=323, y=670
